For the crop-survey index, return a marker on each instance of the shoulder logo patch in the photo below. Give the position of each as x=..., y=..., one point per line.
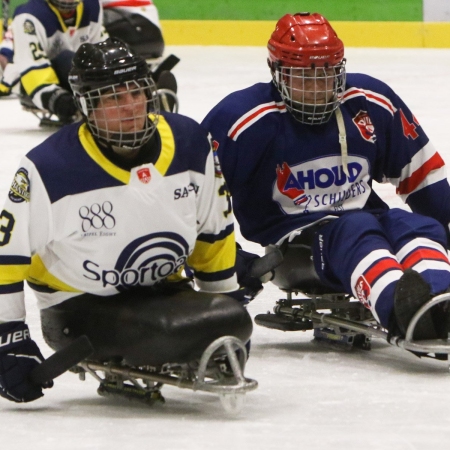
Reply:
x=29, y=28
x=20, y=187
x=365, y=126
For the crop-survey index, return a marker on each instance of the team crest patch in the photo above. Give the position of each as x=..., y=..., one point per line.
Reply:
x=29, y=28
x=20, y=188
x=144, y=175
x=362, y=290
x=365, y=126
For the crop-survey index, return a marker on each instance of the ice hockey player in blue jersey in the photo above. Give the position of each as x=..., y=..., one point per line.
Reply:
x=46, y=34
x=303, y=151
x=100, y=220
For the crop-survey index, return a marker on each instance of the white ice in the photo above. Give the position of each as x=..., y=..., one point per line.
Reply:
x=309, y=396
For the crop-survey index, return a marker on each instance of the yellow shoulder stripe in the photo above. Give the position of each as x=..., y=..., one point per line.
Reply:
x=80, y=9
x=87, y=141
x=162, y=164
x=167, y=145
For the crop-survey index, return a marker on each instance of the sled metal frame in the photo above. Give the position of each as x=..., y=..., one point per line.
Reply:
x=309, y=309
x=164, y=96
x=205, y=376
x=46, y=118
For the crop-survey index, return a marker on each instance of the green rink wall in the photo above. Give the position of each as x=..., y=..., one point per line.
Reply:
x=381, y=23
x=337, y=10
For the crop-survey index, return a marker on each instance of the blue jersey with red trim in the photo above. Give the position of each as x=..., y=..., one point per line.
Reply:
x=284, y=175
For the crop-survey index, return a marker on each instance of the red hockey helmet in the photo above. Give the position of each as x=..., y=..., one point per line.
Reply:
x=307, y=41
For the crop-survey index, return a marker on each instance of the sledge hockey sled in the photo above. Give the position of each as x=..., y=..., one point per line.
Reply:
x=46, y=118
x=139, y=345
x=333, y=317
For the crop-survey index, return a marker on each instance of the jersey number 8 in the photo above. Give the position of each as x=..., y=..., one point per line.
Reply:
x=6, y=226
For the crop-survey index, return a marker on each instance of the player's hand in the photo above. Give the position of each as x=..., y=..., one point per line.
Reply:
x=63, y=105
x=252, y=285
x=19, y=355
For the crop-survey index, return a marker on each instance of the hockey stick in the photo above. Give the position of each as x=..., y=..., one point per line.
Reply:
x=61, y=361
x=5, y=13
x=167, y=64
x=261, y=266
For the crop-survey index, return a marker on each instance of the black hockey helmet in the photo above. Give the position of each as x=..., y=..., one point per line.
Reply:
x=104, y=71
x=109, y=62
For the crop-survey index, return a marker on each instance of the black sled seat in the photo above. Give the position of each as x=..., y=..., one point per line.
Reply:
x=147, y=329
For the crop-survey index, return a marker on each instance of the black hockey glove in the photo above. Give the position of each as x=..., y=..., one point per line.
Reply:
x=19, y=355
x=252, y=285
x=63, y=105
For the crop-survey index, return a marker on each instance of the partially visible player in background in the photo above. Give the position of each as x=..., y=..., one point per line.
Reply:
x=135, y=22
x=45, y=35
x=6, y=54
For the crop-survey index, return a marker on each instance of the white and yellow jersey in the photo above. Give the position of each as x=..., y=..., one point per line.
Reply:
x=40, y=35
x=74, y=222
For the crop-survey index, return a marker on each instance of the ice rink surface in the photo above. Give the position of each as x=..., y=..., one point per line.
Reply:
x=309, y=396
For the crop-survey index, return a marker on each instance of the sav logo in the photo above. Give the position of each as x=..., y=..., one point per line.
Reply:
x=20, y=188
x=365, y=126
x=362, y=290
x=97, y=217
x=184, y=192
x=144, y=175
x=143, y=262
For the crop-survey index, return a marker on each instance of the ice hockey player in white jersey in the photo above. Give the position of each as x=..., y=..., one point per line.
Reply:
x=103, y=216
x=46, y=34
x=303, y=150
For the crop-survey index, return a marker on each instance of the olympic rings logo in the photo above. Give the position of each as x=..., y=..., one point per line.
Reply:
x=97, y=217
